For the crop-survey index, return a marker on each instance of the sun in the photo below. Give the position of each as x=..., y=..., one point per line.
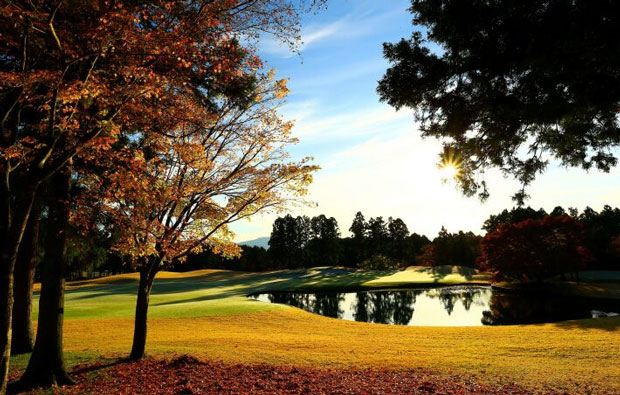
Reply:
x=450, y=166
x=449, y=171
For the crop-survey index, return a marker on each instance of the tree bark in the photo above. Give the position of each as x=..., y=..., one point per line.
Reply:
x=14, y=212
x=147, y=276
x=46, y=366
x=23, y=336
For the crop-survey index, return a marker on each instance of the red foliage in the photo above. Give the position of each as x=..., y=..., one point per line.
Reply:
x=534, y=249
x=187, y=375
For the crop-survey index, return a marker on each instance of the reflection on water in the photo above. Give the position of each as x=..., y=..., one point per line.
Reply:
x=445, y=306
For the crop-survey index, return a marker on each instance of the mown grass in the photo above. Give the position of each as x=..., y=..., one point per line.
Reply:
x=206, y=314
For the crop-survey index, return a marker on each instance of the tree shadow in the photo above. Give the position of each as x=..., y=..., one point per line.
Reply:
x=440, y=272
x=609, y=324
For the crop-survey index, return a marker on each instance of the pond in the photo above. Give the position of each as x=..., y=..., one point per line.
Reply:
x=444, y=306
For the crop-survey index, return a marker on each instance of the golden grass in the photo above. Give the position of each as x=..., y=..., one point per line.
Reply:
x=569, y=355
x=205, y=313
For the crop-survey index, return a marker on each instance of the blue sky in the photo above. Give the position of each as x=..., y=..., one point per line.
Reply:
x=371, y=156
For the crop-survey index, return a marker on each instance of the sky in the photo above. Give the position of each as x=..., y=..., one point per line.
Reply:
x=372, y=158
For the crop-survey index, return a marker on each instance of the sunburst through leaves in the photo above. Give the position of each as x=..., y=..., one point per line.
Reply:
x=450, y=165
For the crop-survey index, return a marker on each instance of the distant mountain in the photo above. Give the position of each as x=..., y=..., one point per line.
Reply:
x=260, y=242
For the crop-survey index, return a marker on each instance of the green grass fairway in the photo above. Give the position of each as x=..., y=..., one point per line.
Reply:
x=215, y=292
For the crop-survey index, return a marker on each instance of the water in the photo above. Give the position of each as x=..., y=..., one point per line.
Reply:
x=445, y=306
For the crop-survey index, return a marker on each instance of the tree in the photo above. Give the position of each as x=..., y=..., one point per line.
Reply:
x=599, y=230
x=377, y=239
x=356, y=248
x=511, y=84
x=460, y=249
x=516, y=214
x=46, y=365
x=189, y=183
x=76, y=74
x=324, y=244
x=22, y=339
x=415, y=245
x=359, y=227
x=397, y=234
x=288, y=240
x=534, y=249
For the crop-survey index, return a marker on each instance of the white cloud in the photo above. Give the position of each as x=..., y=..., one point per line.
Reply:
x=353, y=123
x=354, y=25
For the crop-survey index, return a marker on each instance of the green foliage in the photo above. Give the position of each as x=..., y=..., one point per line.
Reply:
x=508, y=84
x=462, y=249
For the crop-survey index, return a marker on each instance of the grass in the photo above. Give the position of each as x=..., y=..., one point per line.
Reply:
x=206, y=314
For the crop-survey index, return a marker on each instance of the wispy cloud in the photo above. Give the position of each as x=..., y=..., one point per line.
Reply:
x=363, y=121
x=351, y=26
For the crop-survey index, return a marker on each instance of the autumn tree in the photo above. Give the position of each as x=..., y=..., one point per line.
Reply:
x=512, y=84
x=74, y=74
x=534, y=249
x=189, y=183
x=513, y=216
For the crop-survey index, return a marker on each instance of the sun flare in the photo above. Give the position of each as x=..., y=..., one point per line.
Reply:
x=450, y=166
x=449, y=171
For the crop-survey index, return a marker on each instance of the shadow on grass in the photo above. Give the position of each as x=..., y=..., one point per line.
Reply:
x=610, y=324
x=440, y=272
x=93, y=367
x=244, y=283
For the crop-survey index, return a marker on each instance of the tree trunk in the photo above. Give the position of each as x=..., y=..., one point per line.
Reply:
x=46, y=366
x=147, y=275
x=14, y=212
x=23, y=336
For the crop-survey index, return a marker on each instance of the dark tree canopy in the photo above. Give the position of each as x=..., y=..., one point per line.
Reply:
x=510, y=84
x=534, y=249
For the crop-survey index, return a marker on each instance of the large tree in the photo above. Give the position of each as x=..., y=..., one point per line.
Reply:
x=76, y=74
x=511, y=84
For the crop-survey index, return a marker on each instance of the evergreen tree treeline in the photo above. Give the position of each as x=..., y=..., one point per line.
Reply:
x=379, y=244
